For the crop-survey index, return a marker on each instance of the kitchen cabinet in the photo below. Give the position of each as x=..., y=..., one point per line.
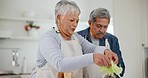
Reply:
x=15, y=76
x=145, y=22
x=145, y=36
x=25, y=76
x=146, y=30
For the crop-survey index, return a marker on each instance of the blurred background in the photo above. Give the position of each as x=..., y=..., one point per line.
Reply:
x=18, y=46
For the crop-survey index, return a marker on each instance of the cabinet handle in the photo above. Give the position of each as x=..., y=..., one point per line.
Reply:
x=143, y=45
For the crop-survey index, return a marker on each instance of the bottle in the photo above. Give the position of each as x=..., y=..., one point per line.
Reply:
x=24, y=69
x=60, y=74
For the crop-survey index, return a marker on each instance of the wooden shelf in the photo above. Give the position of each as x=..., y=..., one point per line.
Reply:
x=24, y=19
x=25, y=38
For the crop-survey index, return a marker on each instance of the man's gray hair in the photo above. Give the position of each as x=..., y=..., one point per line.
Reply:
x=64, y=7
x=99, y=12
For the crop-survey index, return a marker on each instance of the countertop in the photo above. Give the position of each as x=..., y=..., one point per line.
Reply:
x=20, y=75
x=10, y=76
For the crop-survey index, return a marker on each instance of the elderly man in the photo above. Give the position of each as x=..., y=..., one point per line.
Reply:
x=99, y=20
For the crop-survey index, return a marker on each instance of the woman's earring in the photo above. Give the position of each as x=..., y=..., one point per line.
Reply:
x=58, y=24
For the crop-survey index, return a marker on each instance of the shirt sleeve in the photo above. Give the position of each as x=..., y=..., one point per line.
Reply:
x=88, y=47
x=50, y=49
x=116, y=48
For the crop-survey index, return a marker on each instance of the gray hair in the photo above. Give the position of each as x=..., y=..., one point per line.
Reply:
x=99, y=12
x=64, y=7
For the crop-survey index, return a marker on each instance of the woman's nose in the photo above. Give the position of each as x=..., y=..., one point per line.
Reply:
x=75, y=24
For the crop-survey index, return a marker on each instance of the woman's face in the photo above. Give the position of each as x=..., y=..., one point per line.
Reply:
x=68, y=24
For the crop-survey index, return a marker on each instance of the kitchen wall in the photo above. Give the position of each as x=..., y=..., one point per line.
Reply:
x=128, y=26
x=127, y=23
x=43, y=10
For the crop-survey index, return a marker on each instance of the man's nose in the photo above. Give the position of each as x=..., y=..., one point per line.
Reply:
x=102, y=29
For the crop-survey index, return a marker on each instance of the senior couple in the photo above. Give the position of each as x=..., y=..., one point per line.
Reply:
x=81, y=54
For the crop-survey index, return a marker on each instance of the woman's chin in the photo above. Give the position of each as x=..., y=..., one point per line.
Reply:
x=72, y=32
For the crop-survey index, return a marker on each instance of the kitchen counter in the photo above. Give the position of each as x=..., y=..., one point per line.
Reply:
x=25, y=76
x=10, y=76
x=14, y=76
x=20, y=75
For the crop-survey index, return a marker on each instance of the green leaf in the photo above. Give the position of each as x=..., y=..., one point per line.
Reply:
x=113, y=69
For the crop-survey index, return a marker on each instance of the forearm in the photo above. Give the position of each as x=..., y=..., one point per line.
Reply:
x=58, y=61
x=100, y=49
x=71, y=63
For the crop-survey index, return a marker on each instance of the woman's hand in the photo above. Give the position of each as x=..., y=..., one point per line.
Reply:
x=101, y=60
x=111, y=56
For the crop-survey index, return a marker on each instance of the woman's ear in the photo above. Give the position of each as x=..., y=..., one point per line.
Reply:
x=58, y=17
x=89, y=22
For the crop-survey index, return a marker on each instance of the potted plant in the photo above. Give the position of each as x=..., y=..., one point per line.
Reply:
x=31, y=28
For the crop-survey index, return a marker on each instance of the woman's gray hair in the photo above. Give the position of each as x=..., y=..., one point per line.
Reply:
x=64, y=7
x=99, y=12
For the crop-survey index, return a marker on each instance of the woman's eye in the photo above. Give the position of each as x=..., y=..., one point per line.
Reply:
x=71, y=20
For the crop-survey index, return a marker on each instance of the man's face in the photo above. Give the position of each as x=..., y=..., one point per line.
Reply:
x=98, y=28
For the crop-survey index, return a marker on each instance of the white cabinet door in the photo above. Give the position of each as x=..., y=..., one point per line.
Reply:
x=145, y=22
x=25, y=76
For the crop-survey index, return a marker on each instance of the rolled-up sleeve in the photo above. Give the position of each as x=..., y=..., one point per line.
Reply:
x=88, y=47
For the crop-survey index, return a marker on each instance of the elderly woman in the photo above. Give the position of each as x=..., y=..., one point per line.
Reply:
x=61, y=50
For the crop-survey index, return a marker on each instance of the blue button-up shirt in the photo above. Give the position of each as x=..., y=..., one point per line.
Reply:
x=113, y=42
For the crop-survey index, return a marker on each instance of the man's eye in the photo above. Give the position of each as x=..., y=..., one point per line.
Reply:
x=99, y=26
x=105, y=26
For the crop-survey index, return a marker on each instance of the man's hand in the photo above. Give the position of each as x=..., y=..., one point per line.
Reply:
x=101, y=59
x=111, y=56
